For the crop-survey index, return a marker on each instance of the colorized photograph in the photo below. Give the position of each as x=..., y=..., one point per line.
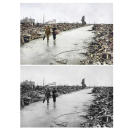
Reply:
x=66, y=96
x=66, y=33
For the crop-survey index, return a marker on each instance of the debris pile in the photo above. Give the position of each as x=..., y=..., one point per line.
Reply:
x=68, y=89
x=67, y=26
x=100, y=50
x=30, y=94
x=100, y=113
x=30, y=32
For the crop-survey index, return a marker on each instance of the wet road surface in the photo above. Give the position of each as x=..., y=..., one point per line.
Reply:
x=65, y=113
x=66, y=49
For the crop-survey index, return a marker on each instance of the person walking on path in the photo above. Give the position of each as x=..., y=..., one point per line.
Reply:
x=47, y=95
x=47, y=32
x=54, y=94
x=54, y=29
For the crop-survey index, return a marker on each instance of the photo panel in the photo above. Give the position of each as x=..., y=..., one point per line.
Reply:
x=66, y=33
x=66, y=96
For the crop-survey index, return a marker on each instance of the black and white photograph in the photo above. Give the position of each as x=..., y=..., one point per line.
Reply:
x=66, y=96
x=66, y=33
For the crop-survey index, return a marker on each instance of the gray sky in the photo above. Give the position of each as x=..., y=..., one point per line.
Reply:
x=71, y=75
x=70, y=12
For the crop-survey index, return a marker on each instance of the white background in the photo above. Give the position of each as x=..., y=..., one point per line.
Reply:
x=10, y=64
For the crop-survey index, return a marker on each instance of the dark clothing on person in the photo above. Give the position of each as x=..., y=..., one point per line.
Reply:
x=54, y=94
x=54, y=98
x=47, y=95
x=54, y=32
x=54, y=36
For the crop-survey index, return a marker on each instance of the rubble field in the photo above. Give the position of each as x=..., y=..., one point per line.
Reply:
x=31, y=95
x=100, y=113
x=100, y=50
x=30, y=32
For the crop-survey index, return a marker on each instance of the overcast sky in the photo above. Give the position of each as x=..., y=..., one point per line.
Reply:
x=71, y=75
x=69, y=12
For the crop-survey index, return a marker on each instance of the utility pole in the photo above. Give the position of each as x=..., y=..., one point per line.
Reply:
x=43, y=19
x=43, y=82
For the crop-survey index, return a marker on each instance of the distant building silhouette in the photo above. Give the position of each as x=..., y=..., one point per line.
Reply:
x=51, y=22
x=27, y=20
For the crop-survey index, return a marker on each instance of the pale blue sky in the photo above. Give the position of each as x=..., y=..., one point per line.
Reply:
x=70, y=12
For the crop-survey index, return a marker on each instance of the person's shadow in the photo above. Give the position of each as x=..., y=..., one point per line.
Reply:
x=54, y=42
x=54, y=105
x=48, y=43
x=47, y=106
